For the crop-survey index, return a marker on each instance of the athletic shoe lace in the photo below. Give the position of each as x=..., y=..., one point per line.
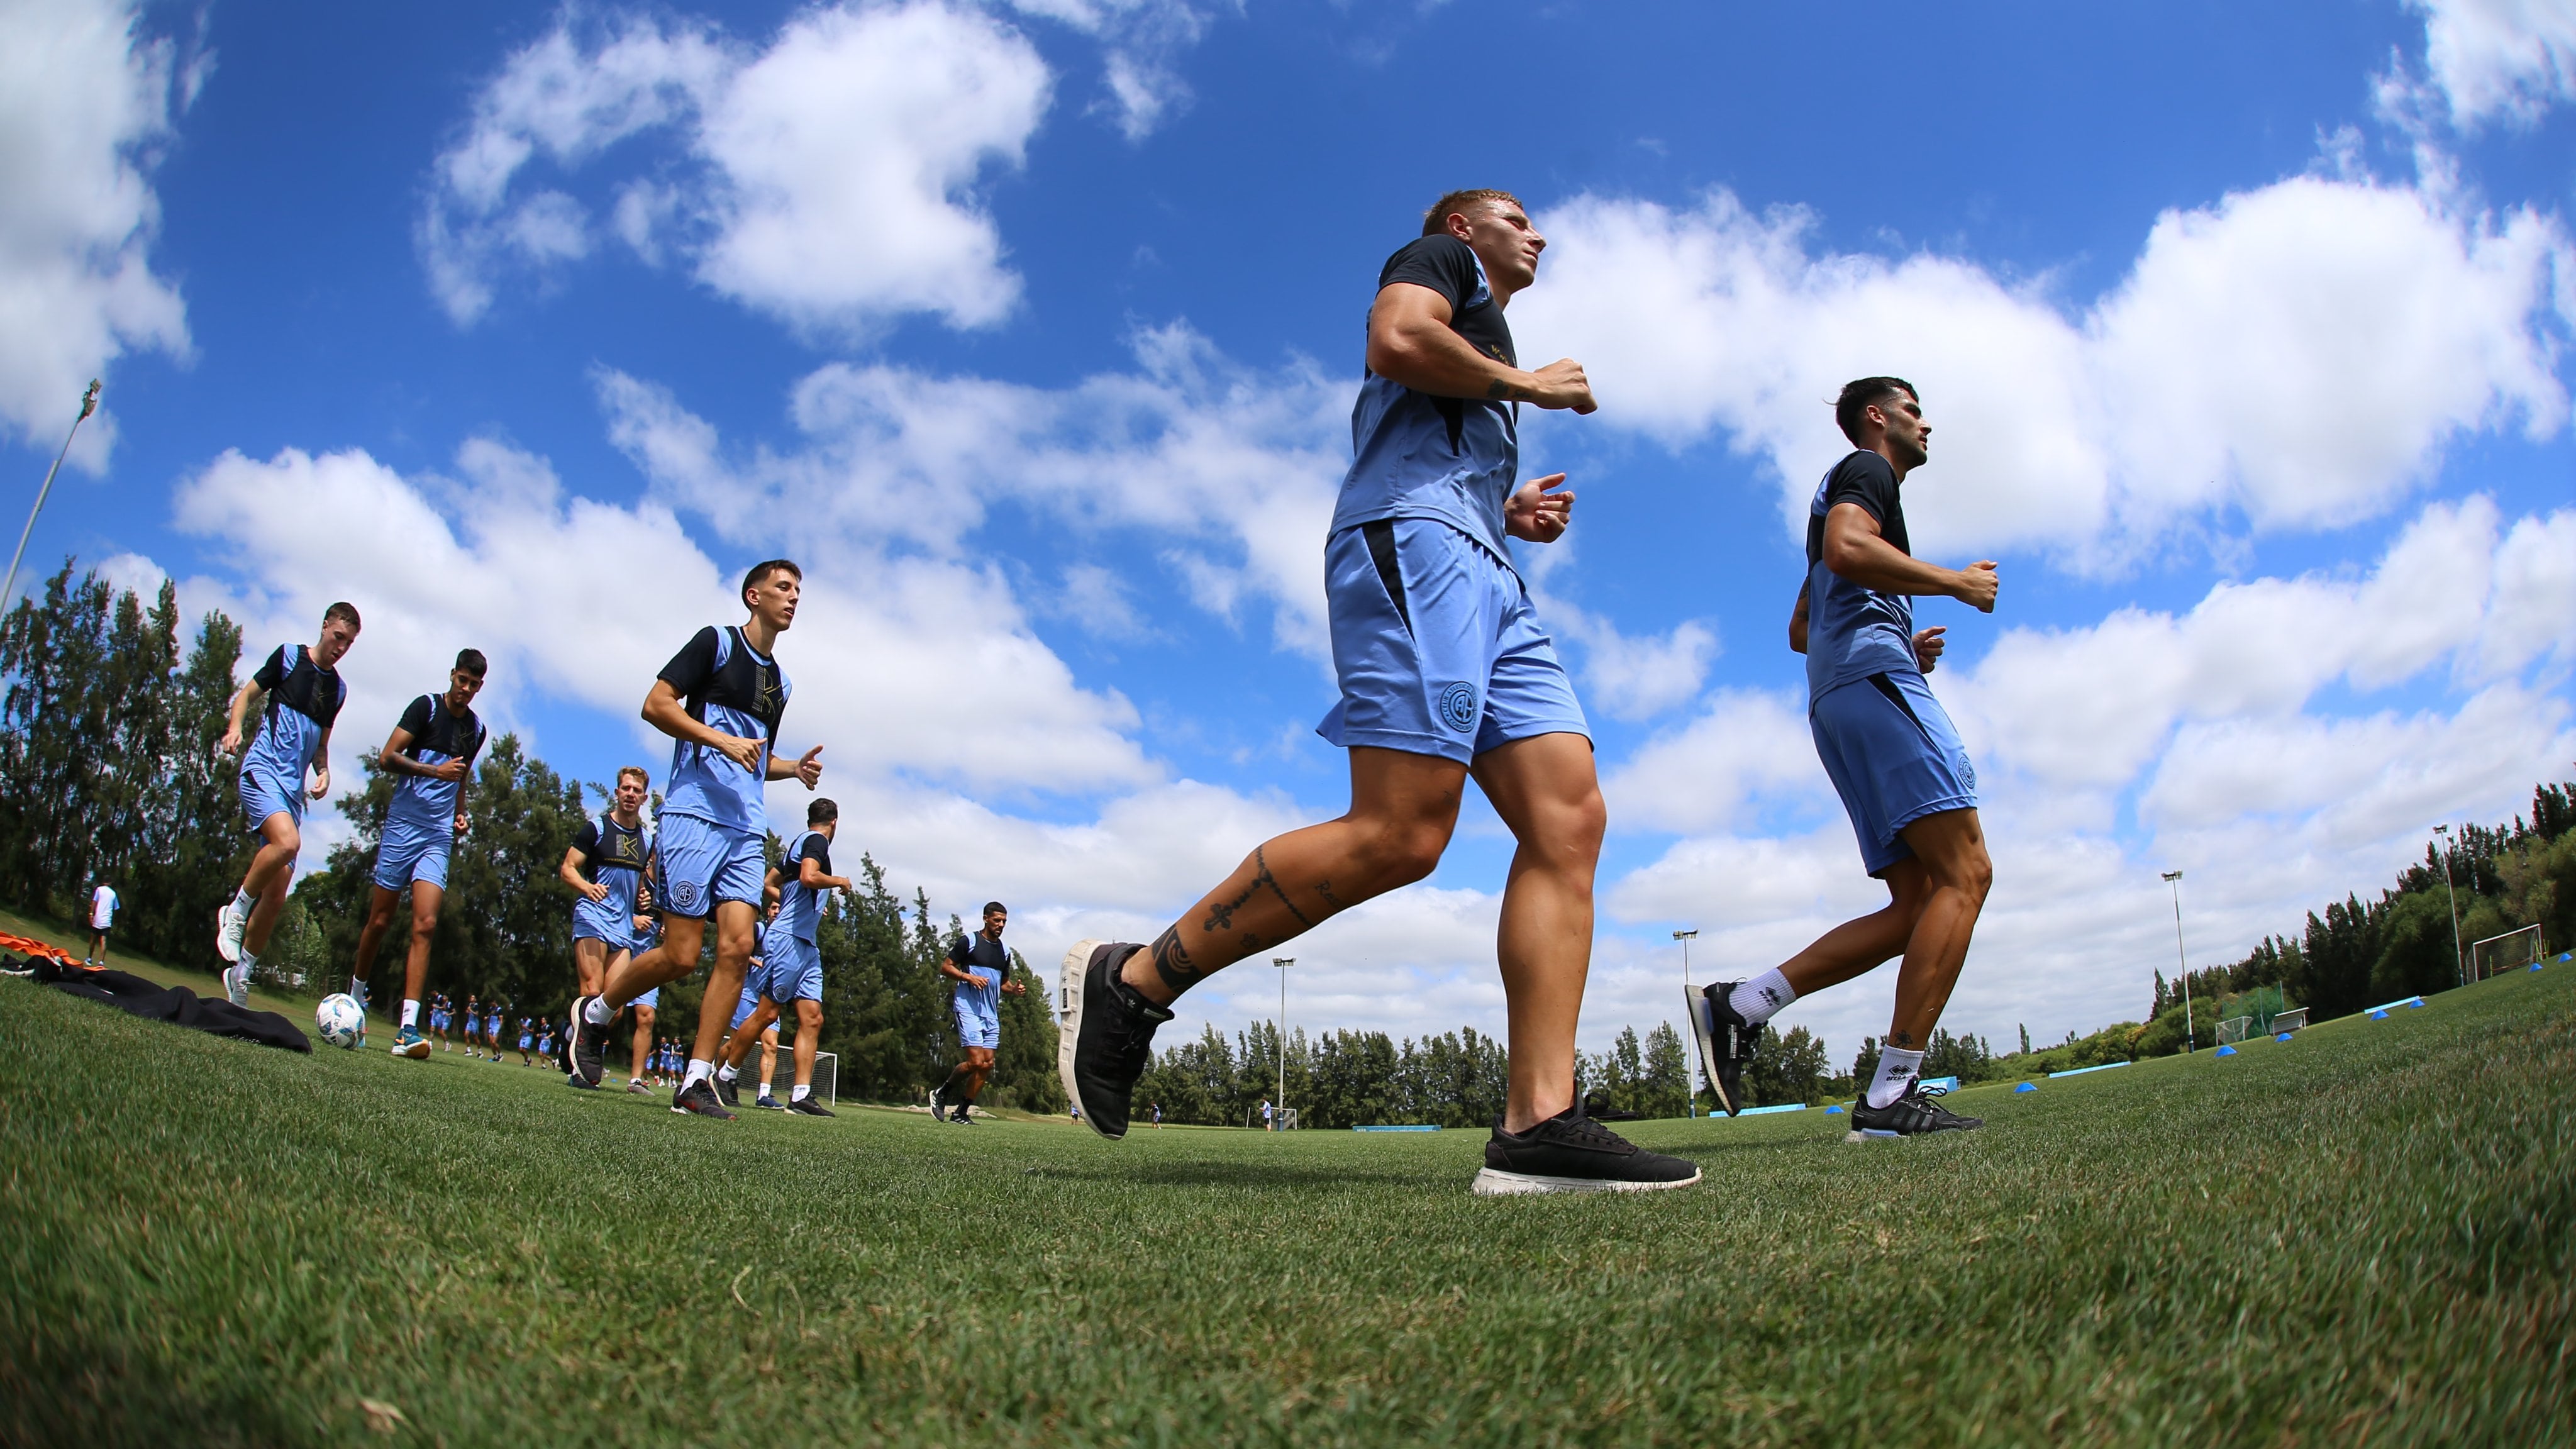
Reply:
x=1584, y=1132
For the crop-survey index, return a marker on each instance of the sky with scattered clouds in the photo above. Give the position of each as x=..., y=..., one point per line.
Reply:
x=1031, y=328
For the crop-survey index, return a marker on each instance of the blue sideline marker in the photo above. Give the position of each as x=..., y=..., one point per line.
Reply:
x=2227, y=1051
x=2079, y=1071
x=2027, y=1087
x=1402, y=1127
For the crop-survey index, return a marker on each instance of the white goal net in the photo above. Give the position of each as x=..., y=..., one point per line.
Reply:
x=782, y=1080
x=2511, y=951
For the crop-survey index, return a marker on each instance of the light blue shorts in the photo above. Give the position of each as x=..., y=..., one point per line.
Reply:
x=262, y=796
x=608, y=924
x=411, y=852
x=705, y=865
x=1436, y=646
x=977, y=1024
x=1893, y=756
x=652, y=998
x=752, y=982
x=795, y=969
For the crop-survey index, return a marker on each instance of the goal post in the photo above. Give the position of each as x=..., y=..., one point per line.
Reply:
x=827, y=1074
x=2506, y=951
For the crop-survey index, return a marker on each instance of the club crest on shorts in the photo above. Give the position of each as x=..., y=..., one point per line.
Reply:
x=1458, y=706
x=684, y=897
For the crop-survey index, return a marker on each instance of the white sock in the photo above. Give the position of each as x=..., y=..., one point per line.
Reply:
x=1896, y=1072
x=242, y=900
x=699, y=1071
x=1759, y=999
x=726, y=1073
x=411, y=1013
x=801, y=1092
x=597, y=1012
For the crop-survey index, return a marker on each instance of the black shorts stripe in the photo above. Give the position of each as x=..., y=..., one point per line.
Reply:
x=1381, y=546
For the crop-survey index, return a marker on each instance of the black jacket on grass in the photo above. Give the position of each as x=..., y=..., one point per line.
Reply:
x=174, y=1004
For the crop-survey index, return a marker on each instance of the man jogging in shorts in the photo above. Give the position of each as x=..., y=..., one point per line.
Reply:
x=298, y=693
x=794, y=966
x=431, y=752
x=102, y=919
x=1895, y=760
x=1445, y=674
x=979, y=971
x=605, y=866
x=721, y=699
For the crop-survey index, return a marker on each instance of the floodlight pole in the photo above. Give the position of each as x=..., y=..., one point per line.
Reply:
x=89, y=404
x=1283, y=963
x=1685, y=938
x=2450, y=854
x=2190, y=1037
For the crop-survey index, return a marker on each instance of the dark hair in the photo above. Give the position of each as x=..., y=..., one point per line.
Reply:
x=991, y=906
x=822, y=812
x=760, y=572
x=471, y=661
x=1436, y=220
x=1860, y=395
x=343, y=610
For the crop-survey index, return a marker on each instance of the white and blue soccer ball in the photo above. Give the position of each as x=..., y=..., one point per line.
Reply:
x=340, y=1021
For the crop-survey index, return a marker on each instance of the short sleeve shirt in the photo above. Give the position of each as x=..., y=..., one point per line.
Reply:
x=1415, y=455
x=438, y=734
x=728, y=686
x=985, y=959
x=102, y=908
x=800, y=910
x=1855, y=632
x=303, y=699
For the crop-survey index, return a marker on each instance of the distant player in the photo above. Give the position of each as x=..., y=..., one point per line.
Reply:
x=606, y=866
x=438, y=1020
x=494, y=1021
x=1446, y=674
x=979, y=972
x=298, y=693
x=1895, y=760
x=749, y=1025
x=802, y=878
x=102, y=919
x=527, y=1040
x=431, y=753
x=721, y=698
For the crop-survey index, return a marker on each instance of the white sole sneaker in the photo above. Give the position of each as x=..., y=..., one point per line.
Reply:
x=229, y=926
x=1494, y=1182
x=237, y=986
x=1069, y=983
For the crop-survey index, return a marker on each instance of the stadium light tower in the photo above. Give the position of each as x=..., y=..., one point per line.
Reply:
x=2450, y=854
x=1283, y=963
x=89, y=404
x=2190, y=1038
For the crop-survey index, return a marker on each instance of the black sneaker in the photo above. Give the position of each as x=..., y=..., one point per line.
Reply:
x=700, y=1099
x=1726, y=1042
x=727, y=1092
x=808, y=1107
x=1911, y=1115
x=581, y=1044
x=1570, y=1152
x=1107, y=1036
x=964, y=1116
x=938, y=1108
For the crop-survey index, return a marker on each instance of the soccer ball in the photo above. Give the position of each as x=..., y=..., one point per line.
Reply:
x=340, y=1021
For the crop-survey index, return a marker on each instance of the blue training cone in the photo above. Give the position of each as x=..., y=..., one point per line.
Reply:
x=2027, y=1087
x=2285, y=1036
x=1829, y=1111
x=2227, y=1051
x=2379, y=1016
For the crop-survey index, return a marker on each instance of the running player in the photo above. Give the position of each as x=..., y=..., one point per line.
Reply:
x=527, y=1040
x=980, y=971
x=438, y=1020
x=802, y=877
x=744, y=1028
x=299, y=693
x=721, y=698
x=647, y=931
x=605, y=866
x=432, y=750
x=1895, y=760
x=102, y=919
x=1445, y=674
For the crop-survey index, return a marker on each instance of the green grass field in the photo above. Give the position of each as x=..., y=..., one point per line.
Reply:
x=2361, y=1236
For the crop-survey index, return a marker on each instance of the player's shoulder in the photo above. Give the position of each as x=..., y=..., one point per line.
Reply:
x=1427, y=258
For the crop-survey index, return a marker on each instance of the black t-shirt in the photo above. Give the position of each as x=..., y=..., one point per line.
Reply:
x=433, y=726
x=1448, y=266
x=976, y=949
x=1864, y=478
x=293, y=678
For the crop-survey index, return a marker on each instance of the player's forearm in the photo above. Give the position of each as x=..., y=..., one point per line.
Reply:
x=780, y=767
x=664, y=712
x=1874, y=563
x=1427, y=357
x=244, y=699
x=570, y=873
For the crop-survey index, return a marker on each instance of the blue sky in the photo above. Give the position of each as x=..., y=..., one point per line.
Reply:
x=1032, y=329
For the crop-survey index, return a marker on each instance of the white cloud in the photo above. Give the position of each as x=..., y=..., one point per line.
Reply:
x=826, y=180
x=85, y=99
x=1141, y=40
x=2500, y=59
x=1629, y=676
x=1238, y=466
x=2230, y=371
